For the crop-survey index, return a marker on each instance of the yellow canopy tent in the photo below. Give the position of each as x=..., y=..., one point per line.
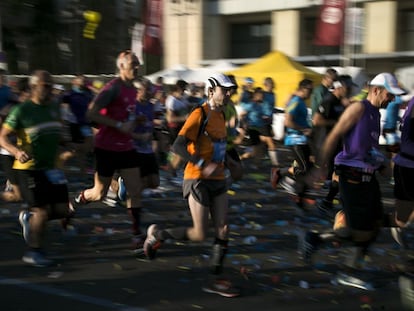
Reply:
x=285, y=72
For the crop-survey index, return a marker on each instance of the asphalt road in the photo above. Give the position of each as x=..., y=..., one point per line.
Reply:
x=96, y=269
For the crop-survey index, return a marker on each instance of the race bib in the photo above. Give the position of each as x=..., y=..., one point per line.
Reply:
x=219, y=152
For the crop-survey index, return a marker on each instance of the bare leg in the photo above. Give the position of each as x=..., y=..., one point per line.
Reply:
x=199, y=214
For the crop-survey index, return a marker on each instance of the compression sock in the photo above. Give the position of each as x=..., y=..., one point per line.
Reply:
x=135, y=214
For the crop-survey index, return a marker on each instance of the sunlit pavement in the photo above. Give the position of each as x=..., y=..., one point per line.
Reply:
x=97, y=270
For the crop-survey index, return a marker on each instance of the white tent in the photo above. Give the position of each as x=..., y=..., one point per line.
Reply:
x=200, y=75
x=222, y=66
x=170, y=75
x=405, y=76
x=196, y=75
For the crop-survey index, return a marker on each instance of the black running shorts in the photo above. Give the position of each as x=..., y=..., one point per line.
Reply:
x=204, y=190
x=107, y=162
x=403, y=178
x=148, y=164
x=38, y=191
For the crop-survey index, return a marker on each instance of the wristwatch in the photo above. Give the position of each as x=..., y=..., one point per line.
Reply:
x=118, y=124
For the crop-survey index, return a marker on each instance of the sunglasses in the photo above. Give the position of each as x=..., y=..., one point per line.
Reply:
x=225, y=89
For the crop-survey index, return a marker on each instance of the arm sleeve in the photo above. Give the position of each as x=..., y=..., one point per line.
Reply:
x=188, y=134
x=180, y=147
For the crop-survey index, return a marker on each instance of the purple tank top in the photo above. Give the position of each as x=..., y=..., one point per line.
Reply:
x=109, y=138
x=361, y=139
x=407, y=145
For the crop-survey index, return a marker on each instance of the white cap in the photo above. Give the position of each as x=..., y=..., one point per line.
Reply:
x=337, y=85
x=59, y=87
x=389, y=82
x=218, y=79
x=407, y=97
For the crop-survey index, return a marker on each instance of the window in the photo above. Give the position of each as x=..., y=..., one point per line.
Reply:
x=249, y=40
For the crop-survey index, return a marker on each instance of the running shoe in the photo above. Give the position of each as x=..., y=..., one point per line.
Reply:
x=151, y=244
x=122, y=193
x=138, y=243
x=8, y=186
x=80, y=199
x=274, y=177
x=24, y=217
x=222, y=287
x=64, y=222
x=399, y=236
x=308, y=244
x=353, y=281
x=37, y=259
x=288, y=184
x=109, y=202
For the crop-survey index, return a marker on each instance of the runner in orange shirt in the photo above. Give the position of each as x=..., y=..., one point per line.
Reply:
x=202, y=142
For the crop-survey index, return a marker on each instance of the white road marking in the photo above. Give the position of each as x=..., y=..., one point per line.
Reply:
x=69, y=295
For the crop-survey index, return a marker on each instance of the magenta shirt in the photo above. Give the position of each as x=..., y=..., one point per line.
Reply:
x=109, y=138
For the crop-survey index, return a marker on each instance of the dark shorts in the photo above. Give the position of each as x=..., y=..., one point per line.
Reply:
x=232, y=152
x=266, y=131
x=75, y=133
x=37, y=190
x=79, y=132
x=361, y=199
x=403, y=178
x=7, y=167
x=107, y=162
x=204, y=191
x=148, y=164
x=254, y=136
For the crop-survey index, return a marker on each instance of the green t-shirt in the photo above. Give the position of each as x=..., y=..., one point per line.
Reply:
x=230, y=114
x=317, y=96
x=38, y=130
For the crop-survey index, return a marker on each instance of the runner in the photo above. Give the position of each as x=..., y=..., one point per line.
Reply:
x=38, y=127
x=356, y=165
x=113, y=110
x=203, y=145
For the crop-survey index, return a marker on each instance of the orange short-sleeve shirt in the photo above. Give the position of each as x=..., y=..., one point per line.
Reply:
x=203, y=145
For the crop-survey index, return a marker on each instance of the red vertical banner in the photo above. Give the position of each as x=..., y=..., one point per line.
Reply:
x=330, y=27
x=152, y=43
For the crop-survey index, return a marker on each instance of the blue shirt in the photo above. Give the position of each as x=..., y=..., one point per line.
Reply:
x=296, y=107
x=269, y=101
x=78, y=102
x=145, y=108
x=254, y=114
x=5, y=95
x=392, y=114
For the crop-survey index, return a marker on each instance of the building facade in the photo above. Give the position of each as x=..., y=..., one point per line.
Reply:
x=195, y=32
x=50, y=33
